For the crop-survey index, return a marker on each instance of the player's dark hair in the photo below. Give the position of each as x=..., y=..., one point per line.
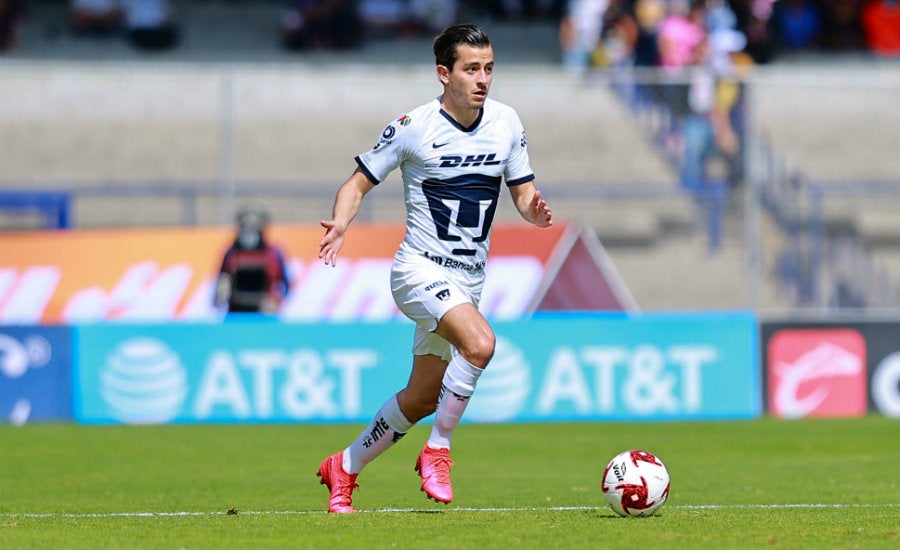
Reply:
x=464, y=33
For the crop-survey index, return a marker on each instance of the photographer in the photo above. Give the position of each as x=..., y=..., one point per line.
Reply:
x=253, y=277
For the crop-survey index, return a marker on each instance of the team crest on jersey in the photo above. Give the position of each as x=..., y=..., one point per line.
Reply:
x=523, y=142
x=404, y=120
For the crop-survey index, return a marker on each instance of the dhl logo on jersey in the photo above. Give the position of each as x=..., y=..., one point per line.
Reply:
x=459, y=161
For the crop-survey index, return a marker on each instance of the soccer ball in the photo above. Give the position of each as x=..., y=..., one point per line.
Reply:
x=635, y=484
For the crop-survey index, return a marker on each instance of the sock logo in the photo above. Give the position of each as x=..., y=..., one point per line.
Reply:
x=379, y=430
x=456, y=395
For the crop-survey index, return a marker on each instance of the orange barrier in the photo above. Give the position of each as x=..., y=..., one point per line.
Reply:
x=60, y=277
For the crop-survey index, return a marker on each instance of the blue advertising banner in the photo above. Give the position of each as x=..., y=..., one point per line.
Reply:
x=548, y=369
x=237, y=372
x=35, y=374
x=646, y=367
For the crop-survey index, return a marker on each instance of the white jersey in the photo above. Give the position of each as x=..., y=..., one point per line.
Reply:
x=452, y=177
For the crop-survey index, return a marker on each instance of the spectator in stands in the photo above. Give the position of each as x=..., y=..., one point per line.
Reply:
x=754, y=21
x=618, y=36
x=798, y=25
x=730, y=65
x=712, y=95
x=842, y=29
x=522, y=9
x=95, y=17
x=579, y=32
x=681, y=33
x=387, y=18
x=150, y=24
x=320, y=24
x=10, y=24
x=432, y=16
x=881, y=24
x=724, y=38
x=253, y=277
x=696, y=122
x=649, y=15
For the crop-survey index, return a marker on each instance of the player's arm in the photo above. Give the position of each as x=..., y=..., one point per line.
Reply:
x=531, y=206
x=346, y=207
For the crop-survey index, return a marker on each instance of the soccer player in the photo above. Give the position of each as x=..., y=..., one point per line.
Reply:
x=453, y=153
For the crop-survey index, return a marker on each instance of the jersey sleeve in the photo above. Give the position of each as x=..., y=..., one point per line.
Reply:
x=518, y=169
x=388, y=152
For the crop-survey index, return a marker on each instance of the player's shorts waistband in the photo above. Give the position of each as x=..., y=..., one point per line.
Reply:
x=452, y=263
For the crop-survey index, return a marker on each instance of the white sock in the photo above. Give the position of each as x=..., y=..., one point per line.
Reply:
x=386, y=429
x=457, y=387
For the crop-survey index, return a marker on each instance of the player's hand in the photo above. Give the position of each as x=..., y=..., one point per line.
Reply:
x=332, y=242
x=541, y=215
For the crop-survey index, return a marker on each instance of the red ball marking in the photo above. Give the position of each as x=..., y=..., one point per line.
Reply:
x=634, y=496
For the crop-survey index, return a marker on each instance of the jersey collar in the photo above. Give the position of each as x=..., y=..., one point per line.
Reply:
x=459, y=126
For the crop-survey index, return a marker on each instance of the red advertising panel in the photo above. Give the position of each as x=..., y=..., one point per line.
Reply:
x=60, y=277
x=817, y=372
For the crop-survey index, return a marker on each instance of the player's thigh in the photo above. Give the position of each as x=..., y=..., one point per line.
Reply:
x=424, y=293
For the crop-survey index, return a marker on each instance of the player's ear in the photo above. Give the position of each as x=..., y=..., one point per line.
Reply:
x=443, y=74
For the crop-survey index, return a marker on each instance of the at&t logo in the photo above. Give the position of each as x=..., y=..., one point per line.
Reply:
x=143, y=382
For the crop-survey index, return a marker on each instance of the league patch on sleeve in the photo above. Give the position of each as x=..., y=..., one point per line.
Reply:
x=387, y=136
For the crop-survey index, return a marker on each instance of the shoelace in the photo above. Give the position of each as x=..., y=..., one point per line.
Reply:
x=441, y=465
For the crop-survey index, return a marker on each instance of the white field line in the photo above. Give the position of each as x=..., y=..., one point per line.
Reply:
x=437, y=510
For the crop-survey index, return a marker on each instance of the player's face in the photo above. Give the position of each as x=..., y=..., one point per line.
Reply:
x=469, y=81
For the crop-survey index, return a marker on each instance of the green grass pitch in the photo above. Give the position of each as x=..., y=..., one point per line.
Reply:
x=763, y=483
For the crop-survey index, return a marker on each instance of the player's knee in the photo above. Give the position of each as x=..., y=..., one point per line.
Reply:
x=420, y=410
x=480, y=349
x=417, y=405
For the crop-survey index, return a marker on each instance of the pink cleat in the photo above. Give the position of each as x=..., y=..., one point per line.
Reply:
x=433, y=466
x=339, y=482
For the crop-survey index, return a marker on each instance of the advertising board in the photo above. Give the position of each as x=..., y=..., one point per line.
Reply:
x=831, y=369
x=598, y=367
x=163, y=274
x=35, y=374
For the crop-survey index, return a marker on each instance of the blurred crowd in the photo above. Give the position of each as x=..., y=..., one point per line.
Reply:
x=341, y=24
x=665, y=32
x=146, y=24
x=592, y=32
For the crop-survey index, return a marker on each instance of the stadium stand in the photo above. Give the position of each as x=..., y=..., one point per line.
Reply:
x=180, y=136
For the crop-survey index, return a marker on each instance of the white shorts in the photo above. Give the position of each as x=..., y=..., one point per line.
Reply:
x=424, y=292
